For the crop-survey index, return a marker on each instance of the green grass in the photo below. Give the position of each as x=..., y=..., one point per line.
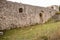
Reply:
x=58, y=13
x=31, y=33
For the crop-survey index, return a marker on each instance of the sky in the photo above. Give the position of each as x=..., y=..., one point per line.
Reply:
x=43, y=3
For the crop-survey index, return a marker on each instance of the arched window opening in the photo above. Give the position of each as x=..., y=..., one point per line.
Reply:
x=20, y=10
x=41, y=18
x=40, y=14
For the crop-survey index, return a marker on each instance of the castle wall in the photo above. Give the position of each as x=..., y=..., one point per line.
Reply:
x=56, y=17
x=11, y=17
x=55, y=7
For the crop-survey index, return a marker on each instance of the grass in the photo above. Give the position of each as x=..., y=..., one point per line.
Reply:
x=58, y=13
x=37, y=32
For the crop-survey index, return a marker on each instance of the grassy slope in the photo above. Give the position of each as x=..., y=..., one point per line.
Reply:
x=31, y=33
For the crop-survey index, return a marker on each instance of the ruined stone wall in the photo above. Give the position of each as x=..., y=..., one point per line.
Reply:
x=55, y=7
x=56, y=17
x=11, y=15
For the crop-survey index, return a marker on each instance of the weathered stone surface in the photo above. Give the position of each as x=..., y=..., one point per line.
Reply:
x=12, y=17
x=56, y=17
x=1, y=33
x=55, y=7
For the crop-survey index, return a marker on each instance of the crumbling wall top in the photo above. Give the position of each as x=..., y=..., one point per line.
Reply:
x=2, y=0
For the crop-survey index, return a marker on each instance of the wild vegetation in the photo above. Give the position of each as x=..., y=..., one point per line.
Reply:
x=38, y=32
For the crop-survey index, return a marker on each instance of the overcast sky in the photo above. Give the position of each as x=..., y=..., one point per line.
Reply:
x=39, y=2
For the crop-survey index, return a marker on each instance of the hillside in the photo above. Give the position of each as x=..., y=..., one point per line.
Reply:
x=37, y=32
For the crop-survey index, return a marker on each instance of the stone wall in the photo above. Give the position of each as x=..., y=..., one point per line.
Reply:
x=15, y=15
x=56, y=17
x=55, y=7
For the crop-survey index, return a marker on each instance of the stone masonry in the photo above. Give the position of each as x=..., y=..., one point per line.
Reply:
x=15, y=15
